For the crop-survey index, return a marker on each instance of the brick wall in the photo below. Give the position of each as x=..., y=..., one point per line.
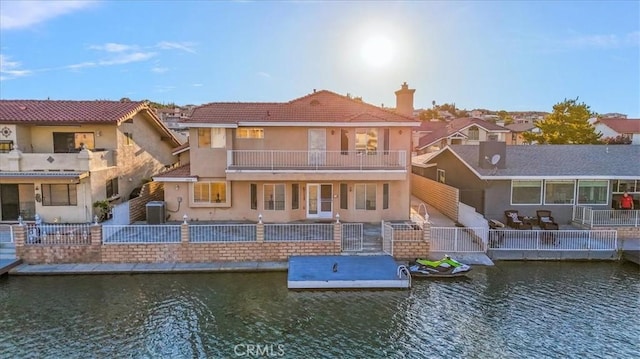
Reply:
x=151, y=191
x=411, y=244
x=442, y=197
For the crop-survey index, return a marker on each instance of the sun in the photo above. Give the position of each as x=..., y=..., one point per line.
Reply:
x=377, y=51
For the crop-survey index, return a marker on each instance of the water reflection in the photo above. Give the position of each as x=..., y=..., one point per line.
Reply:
x=518, y=309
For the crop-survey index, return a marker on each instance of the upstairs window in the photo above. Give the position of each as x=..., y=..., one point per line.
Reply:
x=204, y=138
x=474, y=133
x=212, y=138
x=249, y=133
x=112, y=187
x=68, y=142
x=366, y=140
x=6, y=146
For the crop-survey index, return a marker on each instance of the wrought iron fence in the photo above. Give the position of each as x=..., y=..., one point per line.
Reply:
x=56, y=234
x=138, y=234
x=217, y=233
x=292, y=232
x=352, y=237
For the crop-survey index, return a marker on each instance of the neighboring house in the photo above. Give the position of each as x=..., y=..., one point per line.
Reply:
x=461, y=131
x=517, y=129
x=494, y=177
x=628, y=129
x=57, y=158
x=315, y=157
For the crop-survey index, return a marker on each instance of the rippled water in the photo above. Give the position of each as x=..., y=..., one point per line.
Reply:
x=513, y=310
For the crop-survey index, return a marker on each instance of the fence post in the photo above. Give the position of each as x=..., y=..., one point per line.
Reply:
x=426, y=234
x=184, y=233
x=260, y=232
x=19, y=235
x=96, y=234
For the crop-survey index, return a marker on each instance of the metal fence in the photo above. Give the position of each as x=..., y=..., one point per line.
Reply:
x=458, y=239
x=220, y=233
x=274, y=160
x=6, y=233
x=606, y=218
x=292, y=232
x=591, y=240
x=138, y=234
x=387, y=238
x=352, y=237
x=56, y=234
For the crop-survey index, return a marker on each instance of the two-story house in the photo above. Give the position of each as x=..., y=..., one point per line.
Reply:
x=57, y=158
x=461, y=131
x=618, y=128
x=314, y=157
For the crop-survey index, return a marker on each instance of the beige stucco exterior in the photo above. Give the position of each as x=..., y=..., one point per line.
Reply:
x=32, y=163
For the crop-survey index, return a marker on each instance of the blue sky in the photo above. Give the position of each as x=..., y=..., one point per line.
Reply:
x=503, y=55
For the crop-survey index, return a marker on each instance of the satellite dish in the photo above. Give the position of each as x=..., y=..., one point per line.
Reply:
x=495, y=159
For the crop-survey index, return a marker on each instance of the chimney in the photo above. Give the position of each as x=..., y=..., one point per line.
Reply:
x=404, y=100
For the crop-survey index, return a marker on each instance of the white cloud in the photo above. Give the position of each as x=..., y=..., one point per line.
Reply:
x=22, y=14
x=164, y=88
x=184, y=46
x=11, y=69
x=197, y=85
x=128, y=58
x=606, y=41
x=264, y=74
x=159, y=70
x=113, y=47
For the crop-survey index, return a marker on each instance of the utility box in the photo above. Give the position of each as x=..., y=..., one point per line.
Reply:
x=155, y=212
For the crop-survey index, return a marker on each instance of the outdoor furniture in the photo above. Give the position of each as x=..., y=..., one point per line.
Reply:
x=514, y=220
x=545, y=220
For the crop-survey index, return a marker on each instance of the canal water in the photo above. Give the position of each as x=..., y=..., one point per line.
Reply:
x=513, y=310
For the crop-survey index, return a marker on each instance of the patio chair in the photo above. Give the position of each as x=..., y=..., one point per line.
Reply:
x=514, y=220
x=545, y=220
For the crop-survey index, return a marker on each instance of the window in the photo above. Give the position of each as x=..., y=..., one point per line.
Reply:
x=210, y=192
x=295, y=196
x=59, y=195
x=6, y=146
x=212, y=138
x=474, y=133
x=248, y=132
x=274, y=197
x=204, y=138
x=112, y=187
x=254, y=196
x=344, y=196
x=385, y=196
x=366, y=140
x=492, y=137
x=558, y=192
x=620, y=186
x=366, y=196
x=526, y=192
x=441, y=176
x=593, y=191
x=385, y=135
x=344, y=142
x=218, y=138
x=66, y=142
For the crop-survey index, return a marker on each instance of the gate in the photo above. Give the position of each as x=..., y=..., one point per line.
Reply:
x=352, y=235
x=387, y=238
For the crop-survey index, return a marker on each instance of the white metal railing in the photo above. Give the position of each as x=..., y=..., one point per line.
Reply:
x=605, y=218
x=352, y=237
x=6, y=233
x=217, y=233
x=66, y=234
x=458, y=239
x=591, y=240
x=127, y=234
x=274, y=160
x=291, y=232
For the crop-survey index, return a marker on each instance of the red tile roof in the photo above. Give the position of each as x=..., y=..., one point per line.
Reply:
x=455, y=126
x=321, y=106
x=622, y=125
x=178, y=172
x=53, y=112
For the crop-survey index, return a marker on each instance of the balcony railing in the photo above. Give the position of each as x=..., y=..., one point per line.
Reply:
x=17, y=161
x=606, y=218
x=316, y=160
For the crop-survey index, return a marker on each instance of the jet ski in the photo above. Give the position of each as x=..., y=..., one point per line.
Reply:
x=443, y=268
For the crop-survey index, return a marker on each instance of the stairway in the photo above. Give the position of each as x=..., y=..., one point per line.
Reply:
x=7, y=250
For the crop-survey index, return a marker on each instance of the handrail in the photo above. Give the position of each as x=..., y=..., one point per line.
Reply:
x=402, y=269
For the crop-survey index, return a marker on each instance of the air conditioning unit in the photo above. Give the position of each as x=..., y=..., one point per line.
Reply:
x=155, y=212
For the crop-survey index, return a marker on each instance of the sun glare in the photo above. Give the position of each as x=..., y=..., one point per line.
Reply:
x=377, y=51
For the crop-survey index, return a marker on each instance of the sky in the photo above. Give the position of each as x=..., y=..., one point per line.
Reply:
x=497, y=55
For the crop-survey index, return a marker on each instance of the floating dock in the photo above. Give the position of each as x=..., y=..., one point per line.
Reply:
x=7, y=264
x=346, y=272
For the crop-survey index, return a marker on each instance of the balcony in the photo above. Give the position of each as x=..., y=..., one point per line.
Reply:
x=316, y=165
x=17, y=161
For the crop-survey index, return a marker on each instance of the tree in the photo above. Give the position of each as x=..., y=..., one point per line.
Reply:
x=567, y=124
